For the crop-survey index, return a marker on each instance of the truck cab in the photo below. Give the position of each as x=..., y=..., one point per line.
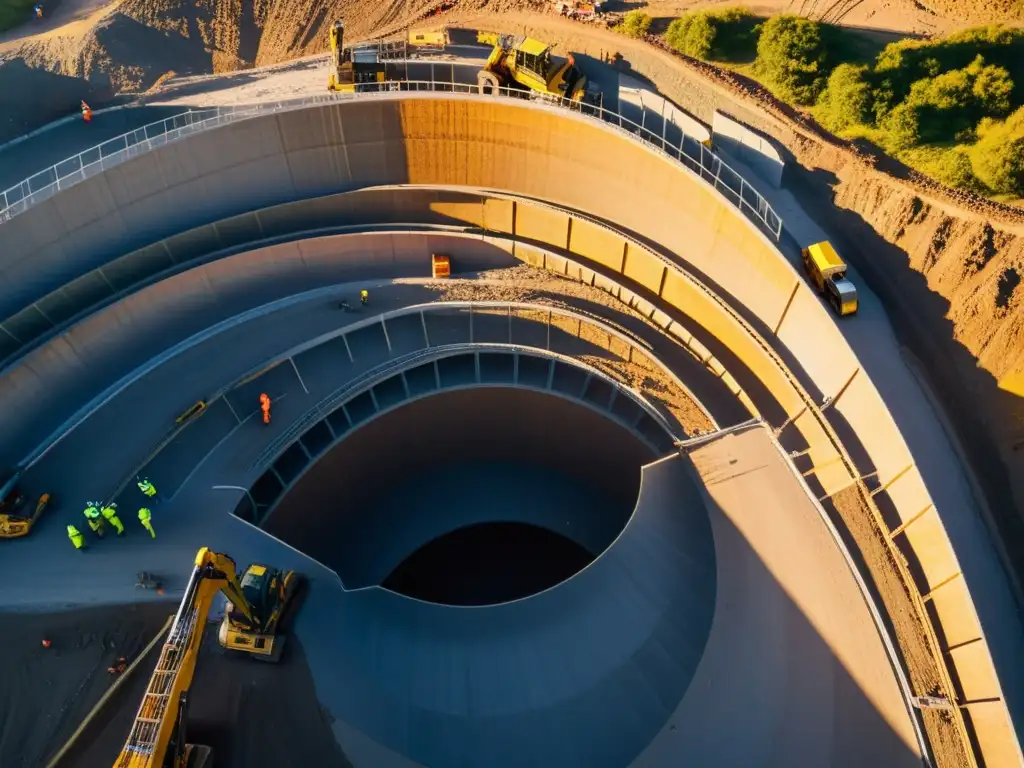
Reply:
x=827, y=273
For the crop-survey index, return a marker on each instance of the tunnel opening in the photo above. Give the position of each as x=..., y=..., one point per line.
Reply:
x=515, y=473
x=488, y=563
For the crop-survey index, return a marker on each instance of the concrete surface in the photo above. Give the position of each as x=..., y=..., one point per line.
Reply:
x=435, y=140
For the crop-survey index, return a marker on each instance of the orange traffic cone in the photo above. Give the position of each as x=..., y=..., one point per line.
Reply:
x=46, y=643
x=86, y=112
x=265, y=407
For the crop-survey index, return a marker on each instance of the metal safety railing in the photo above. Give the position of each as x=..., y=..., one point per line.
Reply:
x=686, y=150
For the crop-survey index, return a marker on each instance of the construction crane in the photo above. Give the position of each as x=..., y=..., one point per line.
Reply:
x=355, y=69
x=527, y=65
x=252, y=617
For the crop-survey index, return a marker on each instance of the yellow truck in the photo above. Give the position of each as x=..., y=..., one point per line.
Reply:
x=827, y=272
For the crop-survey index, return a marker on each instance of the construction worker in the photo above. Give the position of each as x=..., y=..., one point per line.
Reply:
x=364, y=297
x=147, y=487
x=109, y=513
x=118, y=666
x=145, y=517
x=39, y=10
x=265, y=407
x=95, y=523
x=76, y=537
x=86, y=112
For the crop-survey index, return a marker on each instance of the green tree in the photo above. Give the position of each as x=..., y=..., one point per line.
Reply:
x=998, y=156
x=636, y=23
x=692, y=34
x=791, y=59
x=847, y=100
x=720, y=34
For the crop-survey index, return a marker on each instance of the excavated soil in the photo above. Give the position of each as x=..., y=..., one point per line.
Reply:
x=528, y=284
x=863, y=536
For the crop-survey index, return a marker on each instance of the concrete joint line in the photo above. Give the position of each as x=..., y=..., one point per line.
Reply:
x=907, y=523
x=931, y=592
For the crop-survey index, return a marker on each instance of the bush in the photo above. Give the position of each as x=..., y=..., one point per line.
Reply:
x=998, y=156
x=791, y=59
x=903, y=63
x=950, y=105
x=902, y=128
x=992, y=88
x=716, y=35
x=636, y=23
x=954, y=169
x=692, y=34
x=847, y=100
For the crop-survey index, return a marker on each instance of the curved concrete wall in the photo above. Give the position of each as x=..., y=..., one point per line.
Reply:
x=554, y=155
x=323, y=512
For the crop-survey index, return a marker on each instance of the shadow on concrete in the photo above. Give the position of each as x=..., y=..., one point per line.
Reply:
x=952, y=372
x=559, y=462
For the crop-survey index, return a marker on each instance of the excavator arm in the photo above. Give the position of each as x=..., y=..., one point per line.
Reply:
x=157, y=736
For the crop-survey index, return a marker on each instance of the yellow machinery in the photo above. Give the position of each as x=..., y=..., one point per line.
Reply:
x=527, y=64
x=13, y=521
x=440, y=266
x=254, y=611
x=438, y=39
x=355, y=69
x=828, y=275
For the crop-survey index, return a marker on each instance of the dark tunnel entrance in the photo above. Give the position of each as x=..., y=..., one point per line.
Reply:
x=488, y=563
x=473, y=486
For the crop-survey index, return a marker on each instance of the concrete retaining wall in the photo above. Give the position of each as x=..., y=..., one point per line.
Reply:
x=554, y=155
x=748, y=146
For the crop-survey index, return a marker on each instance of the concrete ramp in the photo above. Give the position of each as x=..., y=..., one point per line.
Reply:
x=794, y=672
x=584, y=674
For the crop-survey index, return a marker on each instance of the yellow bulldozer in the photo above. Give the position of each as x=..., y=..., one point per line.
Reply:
x=15, y=519
x=527, y=65
x=354, y=69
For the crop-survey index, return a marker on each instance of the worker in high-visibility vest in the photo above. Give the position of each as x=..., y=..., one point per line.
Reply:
x=92, y=517
x=109, y=513
x=145, y=517
x=76, y=537
x=364, y=297
x=147, y=487
x=265, y=407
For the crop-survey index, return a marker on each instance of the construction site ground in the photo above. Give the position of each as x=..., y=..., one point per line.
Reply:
x=251, y=714
x=973, y=328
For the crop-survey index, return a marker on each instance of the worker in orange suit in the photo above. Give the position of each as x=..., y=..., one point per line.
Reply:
x=265, y=407
x=86, y=112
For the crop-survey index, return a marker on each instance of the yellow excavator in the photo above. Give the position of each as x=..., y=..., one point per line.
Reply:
x=252, y=624
x=526, y=64
x=355, y=69
x=14, y=522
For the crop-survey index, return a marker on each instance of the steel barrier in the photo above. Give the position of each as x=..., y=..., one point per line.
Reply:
x=694, y=155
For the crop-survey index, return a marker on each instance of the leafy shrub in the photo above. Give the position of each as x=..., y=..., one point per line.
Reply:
x=902, y=128
x=998, y=156
x=716, y=35
x=847, y=99
x=791, y=59
x=951, y=104
x=636, y=23
x=992, y=88
x=692, y=34
x=903, y=63
x=951, y=166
